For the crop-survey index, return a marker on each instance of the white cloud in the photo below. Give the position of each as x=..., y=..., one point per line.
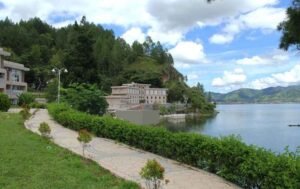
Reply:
x=291, y=77
x=273, y=58
x=134, y=34
x=265, y=19
x=236, y=77
x=178, y=14
x=255, y=60
x=221, y=38
x=188, y=52
x=124, y=13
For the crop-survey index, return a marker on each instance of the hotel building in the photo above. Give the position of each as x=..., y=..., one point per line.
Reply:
x=12, y=77
x=133, y=94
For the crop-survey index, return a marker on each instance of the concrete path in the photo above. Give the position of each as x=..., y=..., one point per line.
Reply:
x=125, y=161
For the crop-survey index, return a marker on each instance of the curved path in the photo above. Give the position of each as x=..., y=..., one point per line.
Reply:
x=125, y=161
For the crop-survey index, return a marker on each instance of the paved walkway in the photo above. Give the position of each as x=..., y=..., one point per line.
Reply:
x=125, y=161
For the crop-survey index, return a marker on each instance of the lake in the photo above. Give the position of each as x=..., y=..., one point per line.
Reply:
x=265, y=125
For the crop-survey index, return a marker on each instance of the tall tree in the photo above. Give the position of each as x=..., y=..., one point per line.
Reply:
x=290, y=28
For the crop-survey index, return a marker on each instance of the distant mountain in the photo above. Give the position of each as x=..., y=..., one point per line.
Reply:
x=289, y=94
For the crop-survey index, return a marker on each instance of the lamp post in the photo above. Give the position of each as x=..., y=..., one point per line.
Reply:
x=59, y=71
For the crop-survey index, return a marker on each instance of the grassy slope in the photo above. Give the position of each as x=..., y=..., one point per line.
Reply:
x=29, y=161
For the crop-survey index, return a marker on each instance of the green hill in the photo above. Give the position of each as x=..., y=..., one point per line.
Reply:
x=289, y=94
x=94, y=55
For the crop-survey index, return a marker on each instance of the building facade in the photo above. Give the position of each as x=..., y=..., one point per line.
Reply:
x=133, y=94
x=12, y=77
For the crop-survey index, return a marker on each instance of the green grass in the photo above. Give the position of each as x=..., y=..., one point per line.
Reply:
x=30, y=161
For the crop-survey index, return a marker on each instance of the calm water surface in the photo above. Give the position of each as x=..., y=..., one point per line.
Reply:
x=265, y=125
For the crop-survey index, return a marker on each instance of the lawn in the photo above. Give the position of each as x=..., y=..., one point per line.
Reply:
x=30, y=161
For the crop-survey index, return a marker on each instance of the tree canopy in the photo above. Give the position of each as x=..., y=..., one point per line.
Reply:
x=290, y=28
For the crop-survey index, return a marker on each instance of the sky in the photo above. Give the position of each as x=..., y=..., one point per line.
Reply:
x=224, y=45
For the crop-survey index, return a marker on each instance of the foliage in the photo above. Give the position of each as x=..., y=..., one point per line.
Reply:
x=198, y=100
x=86, y=98
x=25, y=112
x=28, y=161
x=248, y=166
x=163, y=110
x=25, y=99
x=176, y=90
x=153, y=173
x=45, y=130
x=4, y=102
x=37, y=105
x=84, y=137
x=51, y=90
x=290, y=27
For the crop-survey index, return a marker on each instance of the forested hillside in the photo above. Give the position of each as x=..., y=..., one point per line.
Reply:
x=289, y=94
x=94, y=55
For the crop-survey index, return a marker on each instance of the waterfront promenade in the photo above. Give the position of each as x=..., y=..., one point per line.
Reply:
x=125, y=161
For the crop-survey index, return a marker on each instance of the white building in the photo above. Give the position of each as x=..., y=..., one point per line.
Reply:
x=133, y=94
x=12, y=77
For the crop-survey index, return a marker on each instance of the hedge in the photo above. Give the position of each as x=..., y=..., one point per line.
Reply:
x=247, y=166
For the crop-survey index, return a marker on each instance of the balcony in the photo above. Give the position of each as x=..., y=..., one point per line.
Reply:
x=16, y=83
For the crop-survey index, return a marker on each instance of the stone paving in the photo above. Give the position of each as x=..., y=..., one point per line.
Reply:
x=125, y=161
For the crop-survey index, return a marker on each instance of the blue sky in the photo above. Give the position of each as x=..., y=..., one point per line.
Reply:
x=225, y=45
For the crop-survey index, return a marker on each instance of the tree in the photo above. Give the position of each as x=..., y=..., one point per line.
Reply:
x=51, y=90
x=85, y=97
x=137, y=49
x=290, y=28
x=84, y=137
x=153, y=173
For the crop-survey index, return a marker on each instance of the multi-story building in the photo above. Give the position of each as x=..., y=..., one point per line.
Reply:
x=12, y=77
x=134, y=94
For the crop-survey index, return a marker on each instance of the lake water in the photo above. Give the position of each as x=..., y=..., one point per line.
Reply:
x=264, y=125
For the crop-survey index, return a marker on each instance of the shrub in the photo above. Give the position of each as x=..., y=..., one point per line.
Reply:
x=37, y=105
x=153, y=173
x=248, y=166
x=4, y=102
x=45, y=130
x=84, y=137
x=51, y=90
x=25, y=99
x=25, y=112
x=87, y=98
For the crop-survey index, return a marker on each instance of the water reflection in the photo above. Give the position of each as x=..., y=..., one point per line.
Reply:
x=189, y=124
x=265, y=125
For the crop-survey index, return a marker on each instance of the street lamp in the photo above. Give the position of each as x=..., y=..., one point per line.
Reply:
x=59, y=71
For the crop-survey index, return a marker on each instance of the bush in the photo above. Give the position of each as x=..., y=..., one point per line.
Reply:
x=87, y=98
x=153, y=173
x=51, y=90
x=45, y=130
x=248, y=166
x=4, y=102
x=25, y=112
x=25, y=99
x=84, y=137
x=37, y=105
